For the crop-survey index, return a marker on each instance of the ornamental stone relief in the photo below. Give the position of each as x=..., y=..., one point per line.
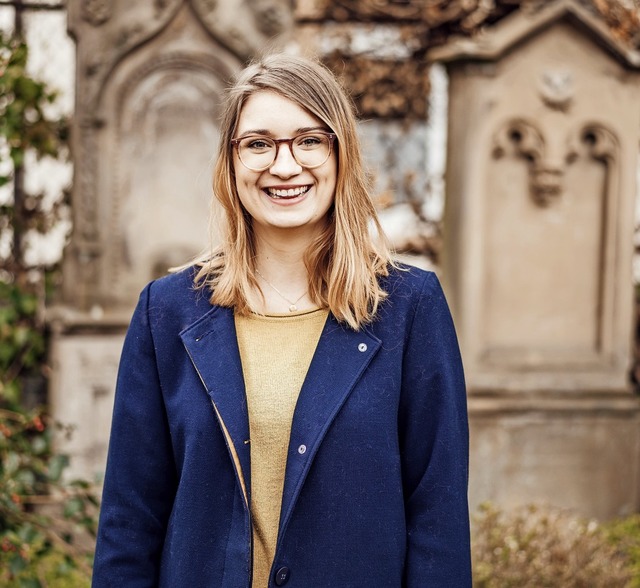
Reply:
x=97, y=12
x=162, y=4
x=524, y=140
x=172, y=105
x=595, y=141
x=557, y=88
x=245, y=26
x=272, y=16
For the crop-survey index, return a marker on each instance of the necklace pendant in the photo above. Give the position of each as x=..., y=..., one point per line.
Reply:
x=293, y=308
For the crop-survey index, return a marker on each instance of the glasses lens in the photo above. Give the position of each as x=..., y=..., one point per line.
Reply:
x=311, y=149
x=257, y=152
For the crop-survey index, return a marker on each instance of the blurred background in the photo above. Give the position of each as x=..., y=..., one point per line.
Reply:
x=502, y=140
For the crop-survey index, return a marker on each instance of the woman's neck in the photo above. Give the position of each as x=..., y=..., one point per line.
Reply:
x=281, y=272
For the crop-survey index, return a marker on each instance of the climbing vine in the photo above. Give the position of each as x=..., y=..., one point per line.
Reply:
x=41, y=514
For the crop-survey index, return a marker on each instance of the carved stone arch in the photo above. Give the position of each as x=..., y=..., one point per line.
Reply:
x=164, y=118
x=117, y=44
x=129, y=47
x=192, y=61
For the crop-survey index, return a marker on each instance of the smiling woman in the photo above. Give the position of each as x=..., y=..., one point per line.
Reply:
x=284, y=191
x=304, y=421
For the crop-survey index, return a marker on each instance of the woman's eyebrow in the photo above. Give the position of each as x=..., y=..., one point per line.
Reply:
x=267, y=133
x=255, y=132
x=310, y=129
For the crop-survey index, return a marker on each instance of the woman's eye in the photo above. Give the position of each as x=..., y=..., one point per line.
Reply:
x=258, y=144
x=309, y=141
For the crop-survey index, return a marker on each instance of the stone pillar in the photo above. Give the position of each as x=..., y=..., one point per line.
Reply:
x=541, y=184
x=149, y=81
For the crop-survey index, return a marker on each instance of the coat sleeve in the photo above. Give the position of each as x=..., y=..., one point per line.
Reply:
x=435, y=448
x=140, y=478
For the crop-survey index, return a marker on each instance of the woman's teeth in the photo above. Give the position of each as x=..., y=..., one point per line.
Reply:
x=291, y=193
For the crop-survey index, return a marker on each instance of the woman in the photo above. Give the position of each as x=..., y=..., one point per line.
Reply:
x=298, y=417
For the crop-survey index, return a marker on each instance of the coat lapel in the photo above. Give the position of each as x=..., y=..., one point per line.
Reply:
x=340, y=359
x=213, y=348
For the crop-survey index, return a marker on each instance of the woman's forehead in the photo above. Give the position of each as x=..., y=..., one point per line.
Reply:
x=267, y=112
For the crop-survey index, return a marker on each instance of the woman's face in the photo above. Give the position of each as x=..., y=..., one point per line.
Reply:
x=286, y=195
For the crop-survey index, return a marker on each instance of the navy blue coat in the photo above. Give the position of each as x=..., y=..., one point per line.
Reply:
x=379, y=497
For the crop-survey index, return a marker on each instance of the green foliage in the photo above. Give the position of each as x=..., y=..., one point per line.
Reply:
x=624, y=534
x=47, y=524
x=40, y=516
x=23, y=120
x=26, y=126
x=545, y=548
x=22, y=343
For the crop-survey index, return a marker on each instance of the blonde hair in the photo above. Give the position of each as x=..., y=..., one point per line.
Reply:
x=345, y=261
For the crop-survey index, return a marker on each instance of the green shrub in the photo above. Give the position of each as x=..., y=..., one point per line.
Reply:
x=36, y=565
x=47, y=525
x=545, y=548
x=624, y=534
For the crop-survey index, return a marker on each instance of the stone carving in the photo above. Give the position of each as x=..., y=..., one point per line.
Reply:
x=86, y=244
x=130, y=35
x=557, y=89
x=97, y=12
x=272, y=16
x=206, y=6
x=171, y=102
x=161, y=4
x=245, y=26
x=87, y=218
x=100, y=253
x=522, y=139
x=595, y=141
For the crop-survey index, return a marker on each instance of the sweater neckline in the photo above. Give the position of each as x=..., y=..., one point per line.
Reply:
x=289, y=315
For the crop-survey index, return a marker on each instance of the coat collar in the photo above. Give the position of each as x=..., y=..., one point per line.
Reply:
x=340, y=359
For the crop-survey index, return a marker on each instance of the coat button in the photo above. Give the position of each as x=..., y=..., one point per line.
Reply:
x=282, y=576
x=362, y=347
x=302, y=449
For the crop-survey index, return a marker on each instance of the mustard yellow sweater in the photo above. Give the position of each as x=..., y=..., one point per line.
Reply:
x=275, y=352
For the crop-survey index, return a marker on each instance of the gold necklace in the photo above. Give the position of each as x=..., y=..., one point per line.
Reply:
x=292, y=305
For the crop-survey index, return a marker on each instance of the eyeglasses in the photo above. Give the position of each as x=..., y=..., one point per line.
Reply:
x=310, y=150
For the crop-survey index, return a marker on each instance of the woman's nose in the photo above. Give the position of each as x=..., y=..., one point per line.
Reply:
x=285, y=165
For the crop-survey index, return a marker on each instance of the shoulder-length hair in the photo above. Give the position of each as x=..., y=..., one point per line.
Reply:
x=345, y=261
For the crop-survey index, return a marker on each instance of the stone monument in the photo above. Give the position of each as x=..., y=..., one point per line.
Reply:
x=544, y=126
x=149, y=80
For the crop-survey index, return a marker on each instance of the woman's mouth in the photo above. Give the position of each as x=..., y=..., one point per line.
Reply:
x=286, y=193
